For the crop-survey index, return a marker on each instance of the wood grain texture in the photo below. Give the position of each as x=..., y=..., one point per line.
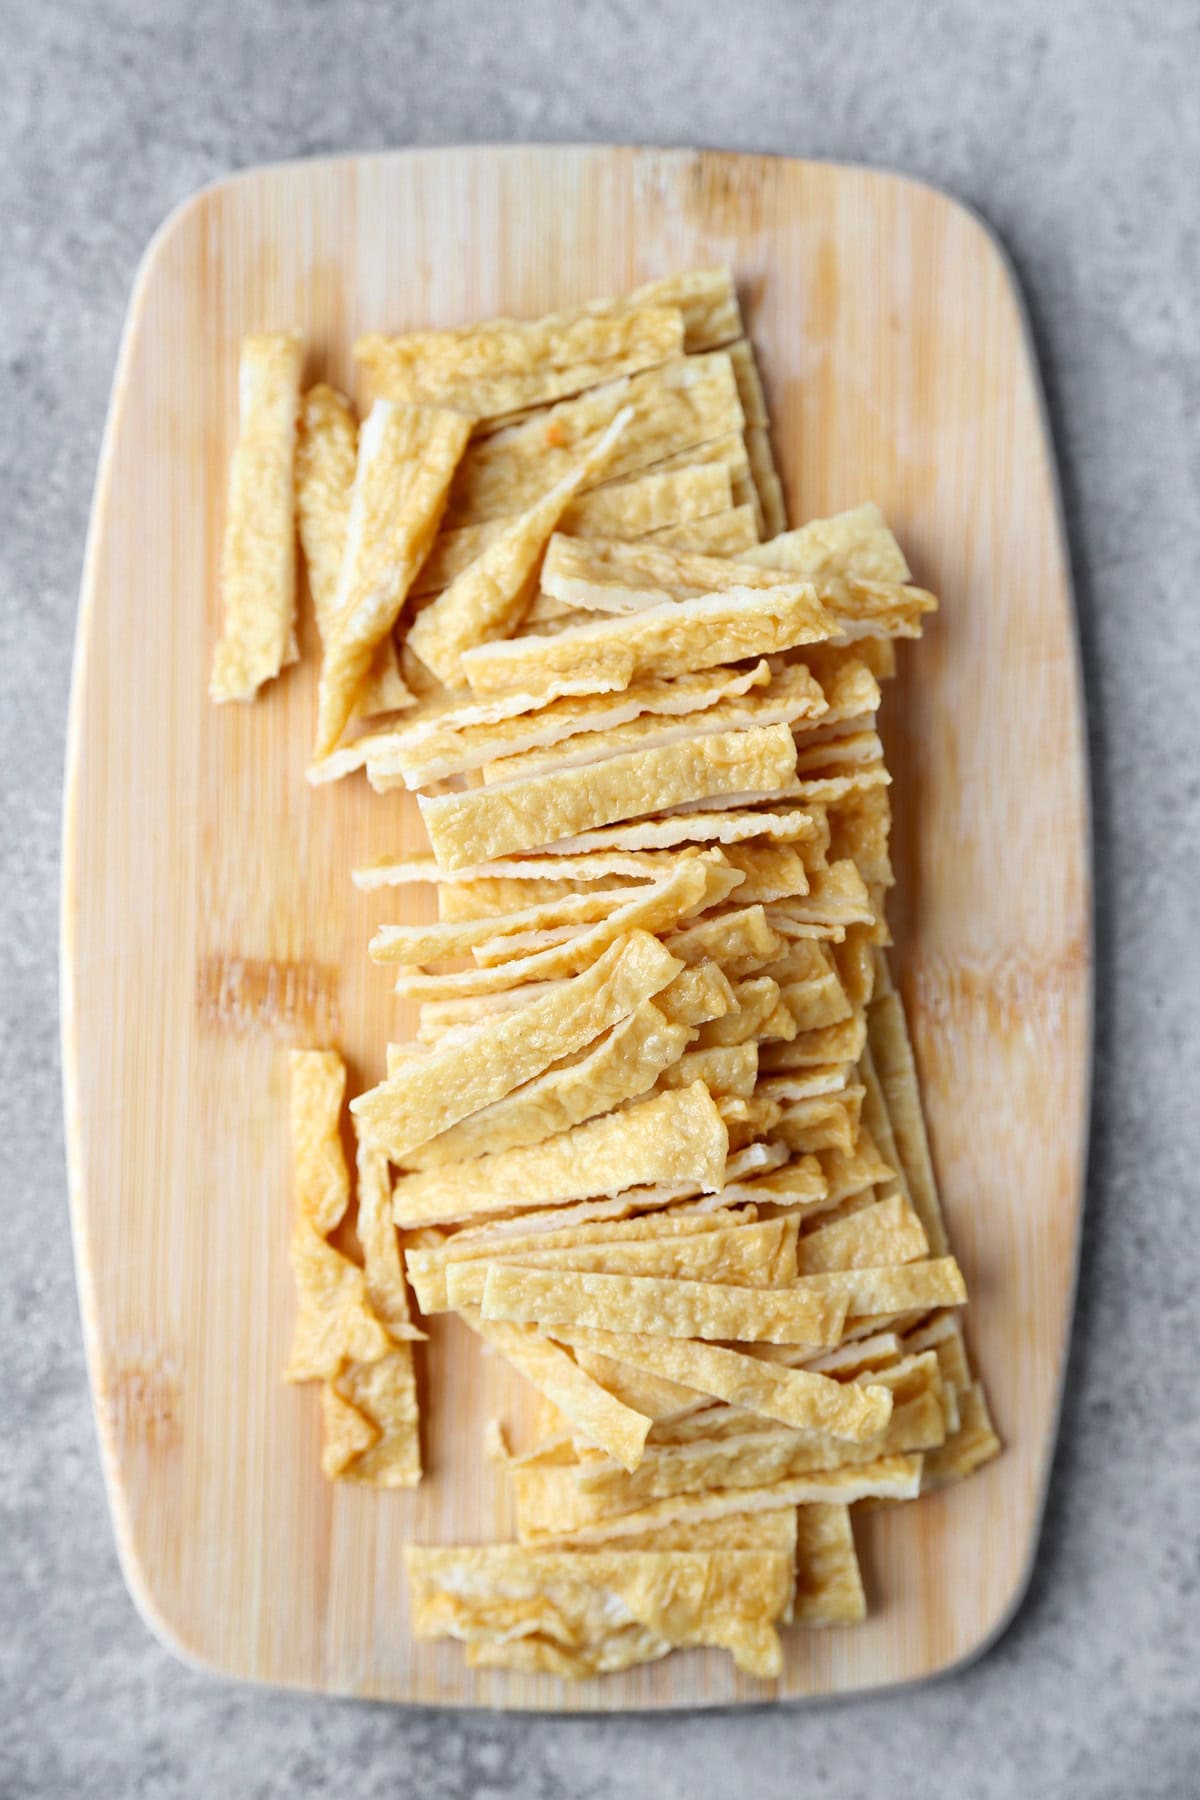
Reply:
x=209, y=921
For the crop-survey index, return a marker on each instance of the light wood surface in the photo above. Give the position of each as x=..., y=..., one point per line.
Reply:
x=209, y=921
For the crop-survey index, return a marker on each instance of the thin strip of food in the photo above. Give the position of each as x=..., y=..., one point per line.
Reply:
x=431, y=1093
x=481, y=824
x=670, y=1138
x=668, y=640
x=801, y=1314
x=488, y=598
x=406, y=458
x=486, y=370
x=686, y=402
x=258, y=562
x=326, y=455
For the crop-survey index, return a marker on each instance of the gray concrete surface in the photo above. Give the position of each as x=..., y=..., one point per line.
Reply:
x=1075, y=128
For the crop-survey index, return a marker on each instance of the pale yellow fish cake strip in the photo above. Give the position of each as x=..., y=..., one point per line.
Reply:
x=767, y=484
x=487, y=599
x=706, y=299
x=745, y=1255
x=829, y=1586
x=613, y=1427
x=813, y=1003
x=792, y=695
x=879, y=1124
x=716, y=534
x=427, y=1264
x=912, y=1286
x=749, y=383
x=683, y=403
x=485, y=370
x=350, y=757
x=664, y=1308
x=508, y=1235
x=258, y=561
x=805, y=1084
x=805, y=961
x=724, y=1069
x=406, y=458
x=660, y=1400
x=543, y=1518
x=696, y=996
x=613, y=576
x=667, y=640
x=779, y=1026
x=860, y=829
x=973, y=1444
x=887, y=1232
x=436, y=943
x=857, y=542
x=536, y=870
x=667, y=1139
x=335, y=1322
x=428, y=1096
x=437, y=1017
x=623, y=509
x=756, y=999
x=345, y=1433
x=459, y=742
x=739, y=941
x=850, y=1172
x=383, y=1270
x=846, y=1209
x=944, y=1335
x=771, y=871
x=691, y=828
x=655, y=907
x=317, y=1088
x=493, y=898
x=791, y=1397
x=828, y=1121
x=326, y=455
x=580, y=1615
x=847, y=750
x=524, y=944
x=895, y=1066
x=855, y=959
x=623, y=1065
x=837, y=895
x=626, y=578
x=774, y=1530
x=385, y=1393
x=479, y=825
x=686, y=1198
x=727, y=451
x=745, y=493
x=797, y=1185
x=752, y=1255
x=850, y=690
x=755, y=1454
x=841, y=1043
x=851, y=1361
x=811, y=795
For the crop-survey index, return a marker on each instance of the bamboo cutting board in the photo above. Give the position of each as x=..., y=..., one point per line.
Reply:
x=209, y=921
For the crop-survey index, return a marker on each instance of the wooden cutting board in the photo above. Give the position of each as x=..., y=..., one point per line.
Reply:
x=209, y=921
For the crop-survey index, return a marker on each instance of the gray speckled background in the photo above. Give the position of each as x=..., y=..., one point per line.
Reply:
x=1075, y=129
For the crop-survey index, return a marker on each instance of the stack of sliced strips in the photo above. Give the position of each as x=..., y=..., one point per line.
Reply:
x=658, y=1142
